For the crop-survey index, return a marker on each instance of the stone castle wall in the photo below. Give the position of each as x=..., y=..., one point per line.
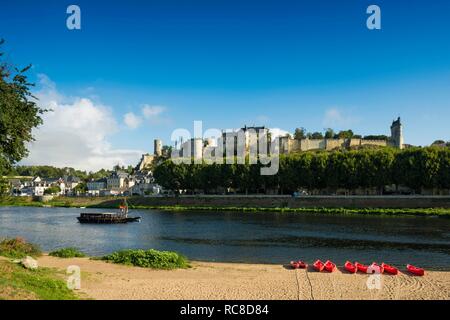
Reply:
x=288, y=145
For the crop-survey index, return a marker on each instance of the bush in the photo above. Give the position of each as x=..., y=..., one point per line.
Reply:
x=18, y=248
x=67, y=253
x=149, y=259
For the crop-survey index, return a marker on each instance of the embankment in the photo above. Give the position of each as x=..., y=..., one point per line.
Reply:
x=418, y=205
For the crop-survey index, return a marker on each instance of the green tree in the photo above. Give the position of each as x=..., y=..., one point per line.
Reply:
x=329, y=133
x=344, y=134
x=316, y=135
x=52, y=190
x=300, y=133
x=81, y=188
x=19, y=114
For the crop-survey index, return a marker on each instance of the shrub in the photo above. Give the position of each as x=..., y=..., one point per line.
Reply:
x=149, y=259
x=18, y=248
x=67, y=253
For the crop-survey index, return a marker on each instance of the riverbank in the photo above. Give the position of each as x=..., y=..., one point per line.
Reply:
x=205, y=280
x=439, y=206
x=18, y=283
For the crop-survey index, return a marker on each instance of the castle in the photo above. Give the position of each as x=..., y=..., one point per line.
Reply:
x=245, y=140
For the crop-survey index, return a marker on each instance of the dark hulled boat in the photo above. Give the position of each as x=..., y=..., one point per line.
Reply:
x=106, y=217
x=109, y=217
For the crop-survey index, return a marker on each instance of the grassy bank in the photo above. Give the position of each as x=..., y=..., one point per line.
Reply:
x=379, y=211
x=143, y=203
x=17, y=282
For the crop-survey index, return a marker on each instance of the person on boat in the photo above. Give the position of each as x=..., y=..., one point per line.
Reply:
x=124, y=208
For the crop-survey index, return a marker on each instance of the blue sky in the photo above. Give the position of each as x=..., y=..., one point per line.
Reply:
x=283, y=64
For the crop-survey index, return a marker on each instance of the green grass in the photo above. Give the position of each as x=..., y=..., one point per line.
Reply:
x=17, y=282
x=149, y=259
x=18, y=248
x=67, y=253
x=321, y=210
x=137, y=203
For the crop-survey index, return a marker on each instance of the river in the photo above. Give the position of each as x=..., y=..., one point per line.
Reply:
x=242, y=237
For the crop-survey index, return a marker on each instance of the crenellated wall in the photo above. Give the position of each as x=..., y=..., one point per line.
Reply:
x=289, y=145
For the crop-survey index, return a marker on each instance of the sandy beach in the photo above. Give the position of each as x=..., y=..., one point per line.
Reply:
x=206, y=280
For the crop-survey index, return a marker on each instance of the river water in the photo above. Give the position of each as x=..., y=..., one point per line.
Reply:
x=242, y=237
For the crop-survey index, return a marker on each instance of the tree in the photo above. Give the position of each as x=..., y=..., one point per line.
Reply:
x=316, y=135
x=438, y=143
x=19, y=114
x=329, y=133
x=52, y=190
x=344, y=134
x=81, y=188
x=166, y=151
x=300, y=133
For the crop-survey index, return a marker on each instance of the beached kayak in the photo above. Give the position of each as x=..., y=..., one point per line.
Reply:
x=376, y=268
x=299, y=264
x=415, y=270
x=319, y=265
x=389, y=269
x=350, y=267
x=329, y=266
x=360, y=267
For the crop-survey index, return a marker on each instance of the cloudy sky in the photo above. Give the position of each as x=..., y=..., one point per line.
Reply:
x=137, y=71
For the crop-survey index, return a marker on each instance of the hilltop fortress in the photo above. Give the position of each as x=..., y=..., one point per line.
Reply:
x=246, y=139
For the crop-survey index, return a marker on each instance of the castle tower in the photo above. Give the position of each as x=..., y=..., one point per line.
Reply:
x=397, y=134
x=157, y=147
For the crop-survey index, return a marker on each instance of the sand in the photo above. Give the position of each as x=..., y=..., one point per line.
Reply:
x=206, y=280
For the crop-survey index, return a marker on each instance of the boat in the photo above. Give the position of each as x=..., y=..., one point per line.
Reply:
x=319, y=265
x=350, y=267
x=415, y=270
x=389, y=269
x=376, y=268
x=298, y=264
x=109, y=217
x=360, y=267
x=106, y=217
x=329, y=266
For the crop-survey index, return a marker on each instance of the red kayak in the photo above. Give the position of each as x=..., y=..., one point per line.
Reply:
x=376, y=268
x=389, y=269
x=318, y=265
x=350, y=267
x=329, y=266
x=360, y=267
x=415, y=270
x=298, y=264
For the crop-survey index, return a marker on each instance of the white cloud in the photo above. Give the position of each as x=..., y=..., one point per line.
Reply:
x=75, y=133
x=152, y=113
x=131, y=120
x=335, y=118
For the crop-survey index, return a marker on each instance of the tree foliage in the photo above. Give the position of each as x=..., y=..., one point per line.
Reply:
x=19, y=114
x=416, y=168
